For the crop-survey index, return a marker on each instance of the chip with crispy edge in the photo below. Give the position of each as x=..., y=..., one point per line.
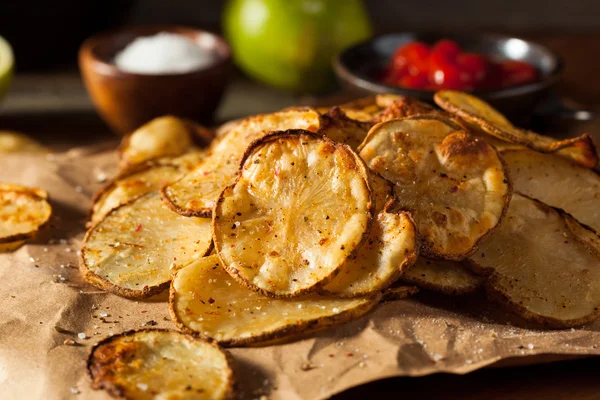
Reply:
x=166, y=136
x=391, y=246
x=195, y=194
x=448, y=277
x=300, y=207
x=482, y=116
x=399, y=291
x=23, y=213
x=134, y=250
x=161, y=364
x=540, y=267
x=205, y=300
x=455, y=185
x=340, y=128
x=557, y=182
x=149, y=178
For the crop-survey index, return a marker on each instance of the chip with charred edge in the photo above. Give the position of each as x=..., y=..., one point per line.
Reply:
x=196, y=193
x=23, y=214
x=130, y=185
x=399, y=292
x=538, y=266
x=448, y=277
x=454, y=184
x=204, y=299
x=557, y=182
x=484, y=117
x=14, y=142
x=134, y=250
x=390, y=248
x=161, y=364
x=166, y=136
x=340, y=128
x=299, y=208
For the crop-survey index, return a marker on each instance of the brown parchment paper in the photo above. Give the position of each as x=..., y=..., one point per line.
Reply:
x=40, y=290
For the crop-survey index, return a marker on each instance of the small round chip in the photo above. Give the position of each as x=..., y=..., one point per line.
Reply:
x=23, y=212
x=134, y=250
x=161, y=364
x=455, y=185
x=299, y=208
x=448, y=277
x=205, y=300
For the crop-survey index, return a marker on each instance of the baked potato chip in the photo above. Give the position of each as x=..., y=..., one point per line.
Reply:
x=204, y=299
x=19, y=188
x=299, y=208
x=484, y=117
x=22, y=214
x=13, y=142
x=166, y=136
x=399, y=292
x=196, y=193
x=391, y=246
x=133, y=251
x=340, y=128
x=189, y=161
x=126, y=187
x=448, y=277
x=557, y=182
x=160, y=364
x=539, y=268
x=454, y=184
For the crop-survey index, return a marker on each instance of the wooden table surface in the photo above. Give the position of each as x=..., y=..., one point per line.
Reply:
x=54, y=108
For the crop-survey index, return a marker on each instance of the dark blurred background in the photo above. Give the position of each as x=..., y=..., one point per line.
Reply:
x=56, y=28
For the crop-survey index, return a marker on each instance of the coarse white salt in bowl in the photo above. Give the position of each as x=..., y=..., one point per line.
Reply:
x=164, y=54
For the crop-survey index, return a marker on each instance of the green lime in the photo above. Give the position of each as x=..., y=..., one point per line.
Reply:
x=290, y=43
x=7, y=63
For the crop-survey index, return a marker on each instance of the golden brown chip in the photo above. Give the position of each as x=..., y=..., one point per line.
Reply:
x=196, y=193
x=454, y=184
x=19, y=188
x=557, y=182
x=206, y=300
x=13, y=142
x=448, y=277
x=300, y=207
x=189, y=161
x=340, y=128
x=391, y=246
x=134, y=250
x=132, y=184
x=483, y=116
x=539, y=268
x=22, y=215
x=399, y=292
x=161, y=364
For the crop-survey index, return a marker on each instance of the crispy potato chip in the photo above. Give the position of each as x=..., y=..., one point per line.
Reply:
x=13, y=142
x=135, y=248
x=481, y=115
x=399, y=292
x=390, y=248
x=448, y=277
x=126, y=187
x=299, y=208
x=226, y=127
x=539, y=268
x=557, y=182
x=189, y=161
x=196, y=193
x=166, y=136
x=161, y=364
x=19, y=188
x=204, y=299
x=454, y=184
x=339, y=127
x=22, y=215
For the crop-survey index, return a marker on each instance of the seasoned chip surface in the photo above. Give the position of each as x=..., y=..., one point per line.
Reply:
x=22, y=213
x=454, y=184
x=390, y=248
x=160, y=364
x=134, y=250
x=129, y=186
x=557, y=182
x=448, y=277
x=299, y=208
x=539, y=268
x=206, y=300
x=196, y=193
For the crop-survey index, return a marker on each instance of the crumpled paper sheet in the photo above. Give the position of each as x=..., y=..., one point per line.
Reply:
x=40, y=289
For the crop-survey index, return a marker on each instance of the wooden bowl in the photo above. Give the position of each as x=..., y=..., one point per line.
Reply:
x=127, y=100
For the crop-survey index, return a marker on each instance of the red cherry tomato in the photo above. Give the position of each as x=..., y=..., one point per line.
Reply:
x=414, y=81
x=446, y=49
x=515, y=73
x=474, y=68
x=412, y=54
x=446, y=77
